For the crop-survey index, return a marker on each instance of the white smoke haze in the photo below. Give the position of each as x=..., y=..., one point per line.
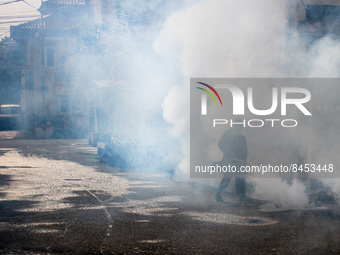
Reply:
x=281, y=192
x=214, y=38
x=324, y=58
x=128, y=79
x=147, y=70
x=227, y=39
x=221, y=39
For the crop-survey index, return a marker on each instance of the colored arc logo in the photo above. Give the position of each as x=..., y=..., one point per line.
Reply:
x=209, y=93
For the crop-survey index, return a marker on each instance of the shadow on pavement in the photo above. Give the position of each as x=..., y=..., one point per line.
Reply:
x=77, y=151
x=14, y=208
x=4, y=181
x=2, y=152
x=151, y=218
x=64, y=231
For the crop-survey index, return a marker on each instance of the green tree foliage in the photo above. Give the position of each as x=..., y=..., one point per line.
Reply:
x=12, y=59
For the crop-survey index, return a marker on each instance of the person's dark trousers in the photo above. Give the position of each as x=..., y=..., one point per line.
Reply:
x=223, y=185
x=240, y=185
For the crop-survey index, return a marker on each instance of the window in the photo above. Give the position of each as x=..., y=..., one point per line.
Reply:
x=105, y=8
x=50, y=57
x=320, y=21
x=9, y=109
x=30, y=81
x=75, y=104
x=323, y=13
x=64, y=103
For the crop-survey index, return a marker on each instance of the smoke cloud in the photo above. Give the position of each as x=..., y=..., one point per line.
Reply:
x=140, y=68
x=221, y=39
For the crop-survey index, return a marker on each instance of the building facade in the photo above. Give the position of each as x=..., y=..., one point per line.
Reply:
x=51, y=97
x=71, y=35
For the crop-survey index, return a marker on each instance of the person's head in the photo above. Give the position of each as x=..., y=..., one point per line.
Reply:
x=238, y=124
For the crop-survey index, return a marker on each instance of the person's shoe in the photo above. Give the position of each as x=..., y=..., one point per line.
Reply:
x=219, y=198
x=242, y=198
x=244, y=201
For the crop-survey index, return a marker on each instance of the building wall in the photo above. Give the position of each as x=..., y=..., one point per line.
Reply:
x=48, y=95
x=103, y=10
x=33, y=86
x=297, y=10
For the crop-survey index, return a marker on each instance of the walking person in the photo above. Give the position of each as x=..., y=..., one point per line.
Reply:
x=235, y=151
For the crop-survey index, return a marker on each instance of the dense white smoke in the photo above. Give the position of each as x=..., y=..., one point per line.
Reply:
x=324, y=60
x=127, y=81
x=221, y=39
x=147, y=69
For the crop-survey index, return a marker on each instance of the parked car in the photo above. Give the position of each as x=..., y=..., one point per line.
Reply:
x=10, y=117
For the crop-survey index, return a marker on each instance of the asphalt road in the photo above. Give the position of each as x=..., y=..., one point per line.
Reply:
x=56, y=198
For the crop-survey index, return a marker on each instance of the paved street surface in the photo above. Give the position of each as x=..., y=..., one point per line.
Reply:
x=56, y=198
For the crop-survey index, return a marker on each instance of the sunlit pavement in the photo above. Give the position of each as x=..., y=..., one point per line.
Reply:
x=56, y=198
